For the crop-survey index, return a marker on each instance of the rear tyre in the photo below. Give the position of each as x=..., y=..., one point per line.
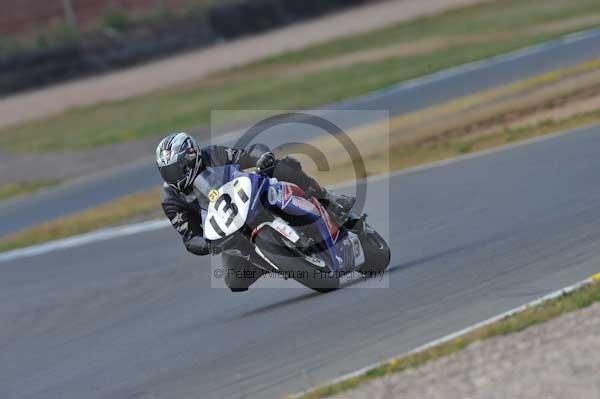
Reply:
x=292, y=263
x=377, y=253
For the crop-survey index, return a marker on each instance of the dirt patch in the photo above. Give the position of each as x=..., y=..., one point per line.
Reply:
x=473, y=116
x=414, y=48
x=295, y=69
x=194, y=65
x=569, y=24
x=576, y=107
x=424, y=46
x=553, y=360
x=555, y=96
x=550, y=103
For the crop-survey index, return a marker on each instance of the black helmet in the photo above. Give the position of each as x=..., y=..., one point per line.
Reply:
x=178, y=160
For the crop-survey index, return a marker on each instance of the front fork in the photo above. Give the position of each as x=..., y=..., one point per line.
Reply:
x=357, y=224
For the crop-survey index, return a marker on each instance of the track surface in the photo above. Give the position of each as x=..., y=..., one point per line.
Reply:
x=134, y=318
x=400, y=99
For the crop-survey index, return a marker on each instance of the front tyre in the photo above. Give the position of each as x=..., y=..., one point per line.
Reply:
x=377, y=252
x=291, y=262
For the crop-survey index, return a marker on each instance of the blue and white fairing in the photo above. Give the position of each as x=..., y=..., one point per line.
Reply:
x=232, y=200
x=344, y=247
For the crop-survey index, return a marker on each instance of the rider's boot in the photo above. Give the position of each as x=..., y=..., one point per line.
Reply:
x=338, y=205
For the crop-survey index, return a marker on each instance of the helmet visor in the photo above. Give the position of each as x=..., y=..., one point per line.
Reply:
x=173, y=174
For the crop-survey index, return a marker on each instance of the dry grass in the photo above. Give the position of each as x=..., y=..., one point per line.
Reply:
x=435, y=149
x=470, y=124
x=551, y=102
x=112, y=213
x=577, y=299
x=325, y=73
x=145, y=205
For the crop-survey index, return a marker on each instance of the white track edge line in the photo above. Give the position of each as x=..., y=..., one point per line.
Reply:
x=79, y=240
x=450, y=337
x=151, y=225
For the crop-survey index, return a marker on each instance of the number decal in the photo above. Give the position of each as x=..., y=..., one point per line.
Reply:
x=229, y=206
x=240, y=191
x=216, y=227
x=228, y=210
x=213, y=195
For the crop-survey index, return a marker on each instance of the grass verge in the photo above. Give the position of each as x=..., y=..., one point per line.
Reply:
x=439, y=148
x=481, y=121
x=109, y=214
x=555, y=101
x=137, y=206
x=577, y=299
x=10, y=190
x=461, y=36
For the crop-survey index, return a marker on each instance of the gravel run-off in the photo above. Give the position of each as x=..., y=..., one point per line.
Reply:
x=555, y=360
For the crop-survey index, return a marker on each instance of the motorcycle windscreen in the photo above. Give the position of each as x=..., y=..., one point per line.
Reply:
x=228, y=208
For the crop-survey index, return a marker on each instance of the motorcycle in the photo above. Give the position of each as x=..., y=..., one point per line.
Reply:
x=279, y=228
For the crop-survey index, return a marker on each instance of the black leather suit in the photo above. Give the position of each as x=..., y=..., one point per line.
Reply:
x=184, y=211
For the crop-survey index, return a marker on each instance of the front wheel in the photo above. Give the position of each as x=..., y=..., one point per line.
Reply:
x=292, y=262
x=377, y=252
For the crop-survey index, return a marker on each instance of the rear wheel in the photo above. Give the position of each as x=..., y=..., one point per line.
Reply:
x=293, y=263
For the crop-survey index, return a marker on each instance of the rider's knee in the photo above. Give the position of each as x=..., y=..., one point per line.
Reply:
x=287, y=169
x=290, y=163
x=239, y=274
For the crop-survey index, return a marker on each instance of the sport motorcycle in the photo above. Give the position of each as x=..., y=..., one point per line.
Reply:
x=281, y=229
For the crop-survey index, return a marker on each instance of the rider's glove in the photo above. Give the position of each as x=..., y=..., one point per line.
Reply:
x=265, y=163
x=198, y=246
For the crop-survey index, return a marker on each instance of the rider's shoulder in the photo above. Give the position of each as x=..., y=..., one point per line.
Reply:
x=172, y=196
x=168, y=193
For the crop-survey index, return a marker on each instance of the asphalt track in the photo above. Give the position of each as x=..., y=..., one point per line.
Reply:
x=135, y=317
x=405, y=97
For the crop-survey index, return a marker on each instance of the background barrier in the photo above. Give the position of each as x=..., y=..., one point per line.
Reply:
x=104, y=51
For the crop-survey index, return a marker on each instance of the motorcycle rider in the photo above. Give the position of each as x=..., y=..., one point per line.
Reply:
x=180, y=160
